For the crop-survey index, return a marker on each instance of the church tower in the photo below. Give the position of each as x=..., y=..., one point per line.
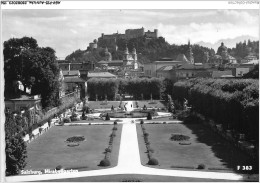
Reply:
x=125, y=55
x=190, y=54
x=134, y=54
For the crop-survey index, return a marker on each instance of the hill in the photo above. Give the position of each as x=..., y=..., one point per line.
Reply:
x=148, y=50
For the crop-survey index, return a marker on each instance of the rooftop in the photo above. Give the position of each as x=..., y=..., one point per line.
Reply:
x=71, y=73
x=167, y=68
x=182, y=58
x=74, y=80
x=27, y=98
x=100, y=75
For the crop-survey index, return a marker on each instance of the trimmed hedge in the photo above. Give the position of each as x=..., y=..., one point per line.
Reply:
x=230, y=102
x=104, y=162
x=153, y=161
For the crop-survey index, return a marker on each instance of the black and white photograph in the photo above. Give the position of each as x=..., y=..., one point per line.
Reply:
x=130, y=91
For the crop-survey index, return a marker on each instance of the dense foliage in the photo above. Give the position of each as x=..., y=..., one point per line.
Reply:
x=244, y=49
x=233, y=103
x=35, y=67
x=254, y=73
x=138, y=87
x=15, y=148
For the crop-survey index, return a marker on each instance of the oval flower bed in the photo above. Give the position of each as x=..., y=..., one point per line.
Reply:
x=75, y=140
x=179, y=137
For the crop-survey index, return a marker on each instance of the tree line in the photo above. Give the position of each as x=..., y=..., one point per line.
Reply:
x=244, y=49
x=232, y=103
x=139, y=88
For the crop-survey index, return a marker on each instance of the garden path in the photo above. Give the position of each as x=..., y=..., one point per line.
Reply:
x=129, y=163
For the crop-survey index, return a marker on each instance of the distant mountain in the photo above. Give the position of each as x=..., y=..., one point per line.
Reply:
x=230, y=43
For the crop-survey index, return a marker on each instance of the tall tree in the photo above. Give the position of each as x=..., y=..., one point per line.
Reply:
x=32, y=65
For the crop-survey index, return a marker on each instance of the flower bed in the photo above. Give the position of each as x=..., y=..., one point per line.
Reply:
x=76, y=139
x=108, y=150
x=150, y=151
x=179, y=137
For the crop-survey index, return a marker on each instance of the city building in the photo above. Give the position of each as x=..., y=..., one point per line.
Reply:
x=221, y=74
x=239, y=71
x=167, y=72
x=187, y=71
x=150, y=69
x=25, y=102
x=127, y=67
x=66, y=65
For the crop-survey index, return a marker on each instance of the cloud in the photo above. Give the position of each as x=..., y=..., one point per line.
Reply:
x=74, y=31
x=76, y=28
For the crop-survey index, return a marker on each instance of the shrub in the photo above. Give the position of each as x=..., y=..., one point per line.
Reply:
x=150, y=150
x=146, y=134
x=142, y=121
x=66, y=120
x=115, y=123
x=59, y=167
x=104, y=162
x=153, y=161
x=114, y=128
x=107, y=117
x=112, y=135
x=201, y=166
x=149, y=116
x=73, y=119
x=108, y=150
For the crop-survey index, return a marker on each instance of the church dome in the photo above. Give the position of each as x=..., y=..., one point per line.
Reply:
x=221, y=49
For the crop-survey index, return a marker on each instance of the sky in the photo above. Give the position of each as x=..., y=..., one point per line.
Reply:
x=69, y=30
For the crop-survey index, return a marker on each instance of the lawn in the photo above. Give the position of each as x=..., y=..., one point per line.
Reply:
x=206, y=148
x=50, y=149
x=156, y=104
x=100, y=105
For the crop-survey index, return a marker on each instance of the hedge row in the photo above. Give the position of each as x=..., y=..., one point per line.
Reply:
x=230, y=102
x=108, y=150
x=150, y=151
x=140, y=88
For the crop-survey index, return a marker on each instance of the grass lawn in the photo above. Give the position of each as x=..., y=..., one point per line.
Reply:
x=206, y=148
x=50, y=149
x=135, y=178
x=98, y=104
x=148, y=104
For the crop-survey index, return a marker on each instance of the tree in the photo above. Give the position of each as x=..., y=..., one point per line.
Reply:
x=15, y=148
x=34, y=66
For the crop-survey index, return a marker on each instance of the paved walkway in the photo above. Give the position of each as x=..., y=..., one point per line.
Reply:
x=129, y=163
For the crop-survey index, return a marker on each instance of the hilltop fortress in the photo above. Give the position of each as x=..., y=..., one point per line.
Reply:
x=109, y=40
